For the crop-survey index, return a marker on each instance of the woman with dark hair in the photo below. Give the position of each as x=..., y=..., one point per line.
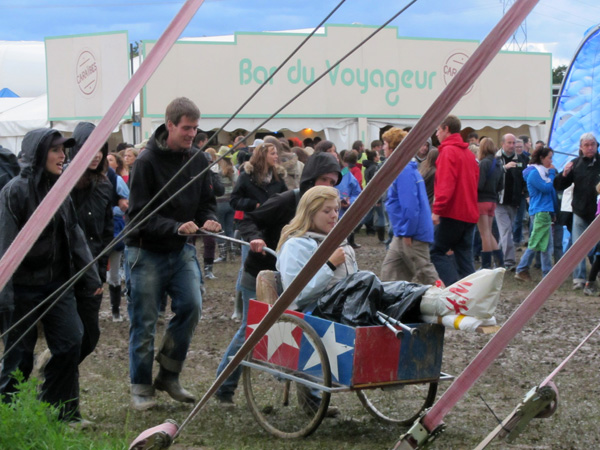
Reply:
x=491, y=182
x=115, y=161
x=539, y=176
x=58, y=253
x=427, y=170
x=325, y=147
x=301, y=154
x=93, y=200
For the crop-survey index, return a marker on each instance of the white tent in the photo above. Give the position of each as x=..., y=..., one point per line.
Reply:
x=23, y=67
x=20, y=115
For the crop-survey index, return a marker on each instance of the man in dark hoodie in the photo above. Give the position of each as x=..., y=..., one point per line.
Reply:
x=262, y=228
x=58, y=253
x=158, y=256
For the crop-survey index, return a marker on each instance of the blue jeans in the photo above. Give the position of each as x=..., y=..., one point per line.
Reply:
x=150, y=276
x=228, y=388
x=225, y=216
x=579, y=226
x=454, y=235
x=238, y=282
x=546, y=256
x=557, y=235
x=517, y=228
x=369, y=218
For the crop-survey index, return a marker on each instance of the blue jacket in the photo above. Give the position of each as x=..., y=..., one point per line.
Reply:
x=408, y=206
x=348, y=188
x=542, y=196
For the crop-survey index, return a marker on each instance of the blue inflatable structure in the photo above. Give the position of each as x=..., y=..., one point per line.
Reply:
x=577, y=109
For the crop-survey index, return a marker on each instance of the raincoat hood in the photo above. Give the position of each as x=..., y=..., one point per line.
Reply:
x=317, y=165
x=81, y=134
x=34, y=147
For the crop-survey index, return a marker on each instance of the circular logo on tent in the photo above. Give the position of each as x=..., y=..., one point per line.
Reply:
x=86, y=72
x=452, y=65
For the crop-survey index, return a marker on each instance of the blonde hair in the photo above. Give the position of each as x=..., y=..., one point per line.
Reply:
x=310, y=204
x=213, y=154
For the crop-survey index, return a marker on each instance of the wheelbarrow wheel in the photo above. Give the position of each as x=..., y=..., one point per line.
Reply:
x=284, y=408
x=398, y=404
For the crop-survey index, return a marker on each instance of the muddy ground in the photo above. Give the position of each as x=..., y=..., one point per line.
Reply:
x=562, y=322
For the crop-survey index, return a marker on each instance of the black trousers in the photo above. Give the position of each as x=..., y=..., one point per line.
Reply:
x=88, y=307
x=63, y=332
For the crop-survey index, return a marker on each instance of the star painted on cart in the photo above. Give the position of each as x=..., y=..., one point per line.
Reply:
x=333, y=349
x=279, y=334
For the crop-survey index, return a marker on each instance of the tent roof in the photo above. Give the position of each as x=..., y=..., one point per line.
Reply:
x=6, y=92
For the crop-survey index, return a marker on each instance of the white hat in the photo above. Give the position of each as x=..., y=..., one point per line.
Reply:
x=256, y=143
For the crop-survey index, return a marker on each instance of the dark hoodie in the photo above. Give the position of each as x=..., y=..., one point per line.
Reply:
x=93, y=200
x=154, y=167
x=268, y=220
x=61, y=249
x=9, y=166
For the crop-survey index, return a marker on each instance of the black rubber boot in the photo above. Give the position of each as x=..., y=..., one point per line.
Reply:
x=115, y=302
x=498, y=257
x=351, y=241
x=486, y=260
x=380, y=234
x=168, y=382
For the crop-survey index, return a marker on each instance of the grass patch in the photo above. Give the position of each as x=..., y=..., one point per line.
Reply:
x=28, y=423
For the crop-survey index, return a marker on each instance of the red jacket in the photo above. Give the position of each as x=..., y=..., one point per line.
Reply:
x=456, y=181
x=357, y=172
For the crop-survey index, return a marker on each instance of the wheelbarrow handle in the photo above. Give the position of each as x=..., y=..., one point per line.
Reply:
x=203, y=232
x=397, y=333
x=388, y=319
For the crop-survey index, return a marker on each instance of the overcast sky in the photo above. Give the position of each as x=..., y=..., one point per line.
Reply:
x=555, y=26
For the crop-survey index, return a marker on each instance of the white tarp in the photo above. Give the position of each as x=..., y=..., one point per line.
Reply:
x=20, y=115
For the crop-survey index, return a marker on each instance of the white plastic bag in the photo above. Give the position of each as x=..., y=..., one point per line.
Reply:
x=475, y=296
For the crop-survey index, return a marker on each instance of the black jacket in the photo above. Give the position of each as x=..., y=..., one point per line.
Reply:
x=61, y=250
x=514, y=184
x=153, y=168
x=93, y=198
x=371, y=168
x=267, y=221
x=248, y=192
x=9, y=166
x=585, y=174
x=491, y=180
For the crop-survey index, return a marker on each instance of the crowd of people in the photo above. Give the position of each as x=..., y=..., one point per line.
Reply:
x=456, y=206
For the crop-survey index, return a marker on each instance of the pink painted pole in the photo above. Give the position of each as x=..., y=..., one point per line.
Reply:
x=48, y=207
